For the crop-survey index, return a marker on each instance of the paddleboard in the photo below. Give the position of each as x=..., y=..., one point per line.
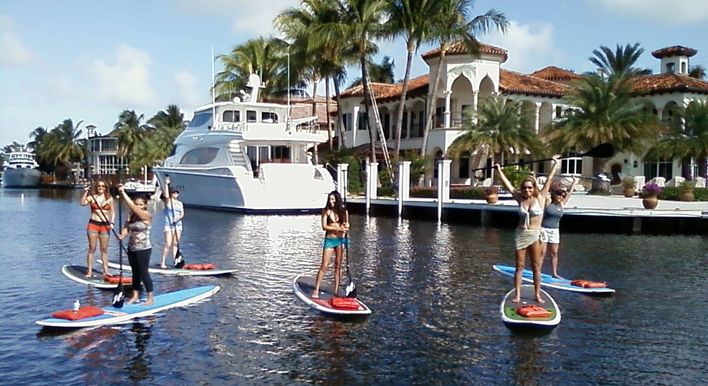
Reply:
x=178, y=272
x=77, y=273
x=114, y=315
x=513, y=320
x=303, y=287
x=552, y=282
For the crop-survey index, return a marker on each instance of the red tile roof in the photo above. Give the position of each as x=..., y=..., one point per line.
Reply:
x=555, y=73
x=459, y=48
x=514, y=82
x=673, y=51
x=668, y=83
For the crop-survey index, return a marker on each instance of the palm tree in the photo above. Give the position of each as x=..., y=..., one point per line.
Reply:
x=130, y=132
x=605, y=112
x=690, y=141
x=157, y=143
x=451, y=23
x=697, y=71
x=620, y=63
x=379, y=73
x=500, y=129
x=262, y=56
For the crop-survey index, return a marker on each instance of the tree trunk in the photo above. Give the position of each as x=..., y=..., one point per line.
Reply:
x=314, y=113
x=342, y=143
x=432, y=102
x=599, y=186
x=411, y=45
x=703, y=166
x=365, y=84
x=329, y=123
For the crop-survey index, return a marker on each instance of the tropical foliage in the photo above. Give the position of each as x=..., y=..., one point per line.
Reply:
x=502, y=127
x=130, y=130
x=160, y=134
x=62, y=145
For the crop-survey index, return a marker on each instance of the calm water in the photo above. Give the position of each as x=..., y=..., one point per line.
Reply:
x=433, y=293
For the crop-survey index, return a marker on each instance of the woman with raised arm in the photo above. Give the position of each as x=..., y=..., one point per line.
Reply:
x=100, y=223
x=137, y=227
x=531, y=202
x=173, y=213
x=335, y=223
x=551, y=223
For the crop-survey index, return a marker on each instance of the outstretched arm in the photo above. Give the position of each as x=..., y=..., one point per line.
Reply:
x=570, y=190
x=551, y=174
x=85, y=198
x=142, y=213
x=166, y=190
x=505, y=181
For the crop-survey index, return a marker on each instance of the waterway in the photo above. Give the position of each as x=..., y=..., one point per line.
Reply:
x=434, y=296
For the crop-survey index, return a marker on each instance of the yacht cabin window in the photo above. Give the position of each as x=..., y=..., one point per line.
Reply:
x=200, y=156
x=231, y=116
x=251, y=116
x=200, y=118
x=269, y=117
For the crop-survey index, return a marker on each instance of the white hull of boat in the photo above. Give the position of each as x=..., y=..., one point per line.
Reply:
x=21, y=178
x=232, y=188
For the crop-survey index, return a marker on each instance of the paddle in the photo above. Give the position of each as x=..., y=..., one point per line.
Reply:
x=179, y=258
x=605, y=150
x=118, y=295
x=350, y=290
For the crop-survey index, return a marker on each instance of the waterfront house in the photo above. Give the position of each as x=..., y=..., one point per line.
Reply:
x=467, y=79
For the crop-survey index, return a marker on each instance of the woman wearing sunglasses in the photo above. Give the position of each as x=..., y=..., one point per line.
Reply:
x=100, y=223
x=550, y=226
x=531, y=202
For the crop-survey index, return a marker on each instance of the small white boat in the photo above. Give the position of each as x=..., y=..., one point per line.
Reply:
x=21, y=170
x=248, y=156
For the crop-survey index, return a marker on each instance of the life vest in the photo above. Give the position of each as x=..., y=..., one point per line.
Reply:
x=113, y=279
x=532, y=311
x=588, y=284
x=82, y=313
x=199, y=267
x=344, y=303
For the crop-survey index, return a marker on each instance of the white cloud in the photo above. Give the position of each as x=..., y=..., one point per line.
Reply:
x=124, y=79
x=187, y=91
x=14, y=52
x=530, y=47
x=658, y=11
x=252, y=17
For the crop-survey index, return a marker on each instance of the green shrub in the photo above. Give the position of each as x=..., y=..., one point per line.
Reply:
x=459, y=193
x=672, y=194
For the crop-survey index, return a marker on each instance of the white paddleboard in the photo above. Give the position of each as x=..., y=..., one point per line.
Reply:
x=514, y=320
x=176, y=271
x=303, y=286
x=77, y=273
x=114, y=315
x=552, y=282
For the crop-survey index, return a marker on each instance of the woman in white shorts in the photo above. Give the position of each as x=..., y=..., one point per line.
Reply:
x=550, y=227
x=173, y=214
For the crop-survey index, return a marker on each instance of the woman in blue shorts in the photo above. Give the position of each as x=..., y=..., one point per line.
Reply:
x=335, y=223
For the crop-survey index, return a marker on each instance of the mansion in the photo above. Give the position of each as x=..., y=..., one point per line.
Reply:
x=467, y=79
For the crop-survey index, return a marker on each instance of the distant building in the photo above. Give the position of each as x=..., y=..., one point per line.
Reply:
x=467, y=78
x=103, y=156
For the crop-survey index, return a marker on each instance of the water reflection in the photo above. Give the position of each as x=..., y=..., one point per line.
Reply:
x=139, y=365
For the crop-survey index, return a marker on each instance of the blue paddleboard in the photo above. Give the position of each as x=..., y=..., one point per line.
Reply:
x=114, y=315
x=551, y=282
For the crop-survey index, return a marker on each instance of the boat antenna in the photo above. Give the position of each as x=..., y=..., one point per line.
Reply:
x=288, y=89
x=213, y=91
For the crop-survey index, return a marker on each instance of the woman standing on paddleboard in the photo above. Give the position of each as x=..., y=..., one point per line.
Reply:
x=528, y=233
x=100, y=223
x=173, y=213
x=335, y=223
x=137, y=227
x=551, y=223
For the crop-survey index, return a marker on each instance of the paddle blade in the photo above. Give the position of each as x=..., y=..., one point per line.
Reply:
x=179, y=260
x=350, y=290
x=119, y=295
x=605, y=150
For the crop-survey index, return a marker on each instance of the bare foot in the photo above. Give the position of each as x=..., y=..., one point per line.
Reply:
x=150, y=301
x=89, y=274
x=557, y=276
x=539, y=300
x=163, y=266
x=315, y=295
x=516, y=300
x=133, y=300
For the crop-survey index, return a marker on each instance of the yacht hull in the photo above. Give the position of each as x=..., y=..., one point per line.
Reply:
x=224, y=188
x=21, y=178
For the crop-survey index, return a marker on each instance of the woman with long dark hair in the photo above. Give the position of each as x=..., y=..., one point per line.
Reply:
x=137, y=228
x=335, y=223
x=531, y=202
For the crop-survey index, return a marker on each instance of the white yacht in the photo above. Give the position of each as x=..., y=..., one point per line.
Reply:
x=21, y=170
x=248, y=156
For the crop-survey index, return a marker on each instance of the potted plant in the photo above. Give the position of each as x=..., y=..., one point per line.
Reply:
x=491, y=194
x=650, y=195
x=686, y=191
x=629, y=186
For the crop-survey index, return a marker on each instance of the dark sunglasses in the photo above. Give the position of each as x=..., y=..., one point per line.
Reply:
x=561, y=193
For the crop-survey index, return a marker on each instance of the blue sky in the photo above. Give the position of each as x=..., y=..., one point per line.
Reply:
x=90, y=60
